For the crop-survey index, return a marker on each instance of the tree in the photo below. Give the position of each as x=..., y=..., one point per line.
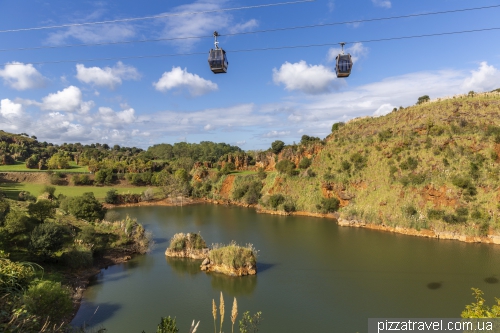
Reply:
x=305, y=163
x=4, y=209
x=277, y=146
x=111, y=196
x=479, y=309
x=286, y=167
x=86, y=207
x=49, y=299
x=104, y=176
x=228, y=167
x=46, y=239
x=337, y=126
x=423, y=99
x=16, y=222
x=42, y=210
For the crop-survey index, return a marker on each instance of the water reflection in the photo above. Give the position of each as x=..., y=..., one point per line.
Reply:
x=491, y=280
x=183, y=266
x=94, y=314
x=434, y=285
x=233, y=285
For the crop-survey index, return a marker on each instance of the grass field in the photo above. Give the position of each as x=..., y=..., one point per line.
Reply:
x=20, y=166
x=12, y=190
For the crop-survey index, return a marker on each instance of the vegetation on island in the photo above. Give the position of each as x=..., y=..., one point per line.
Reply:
x=233, y=255
x=189, y=241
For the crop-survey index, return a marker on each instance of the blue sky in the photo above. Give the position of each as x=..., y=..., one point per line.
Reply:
x=265, y=96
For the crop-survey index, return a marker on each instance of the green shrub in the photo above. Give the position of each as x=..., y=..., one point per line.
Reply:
x=261, y=174
x=46, y=238
x=435, y=214
x=358, y=160
x=328, y=205
x=385, y=135
x=228, y=168
x=289, y=206
x=42, y=210
x=464, y=183
x=15, y=276
x=51, y=190
x=409, y=164
x=111, y=196
x=409, y=210
x=79, y=257
x=104, y=176
x=81, y=180
x=305, y=163
x=462, y=211
x=311, y=173
x=26, y=196
x=4, y=209
x=345, y=166
x=49, y=299
x=86, y=207
x=16, y=222
x=285, y=167
x=275, y=200
x=337, y=126
x=454, y=219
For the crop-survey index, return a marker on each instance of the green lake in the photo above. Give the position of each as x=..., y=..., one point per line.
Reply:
x=313, y=276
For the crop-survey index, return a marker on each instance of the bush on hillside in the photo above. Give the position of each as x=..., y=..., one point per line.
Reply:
x=275, y=200
x=46, y=239
x=49, y=299
x=286, y=167
x=305, y=163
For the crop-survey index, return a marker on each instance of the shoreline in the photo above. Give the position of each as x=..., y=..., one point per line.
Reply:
x=80, y=281
x=427, y=233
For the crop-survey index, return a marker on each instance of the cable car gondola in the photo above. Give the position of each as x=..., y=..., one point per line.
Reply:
x=217, y=59
x=344, y=64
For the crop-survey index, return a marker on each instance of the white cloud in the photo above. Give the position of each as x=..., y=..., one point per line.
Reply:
x=110, y=118
x=357, y=51
x=208, y=127
x=485, y=78
x=10, y=109
x=68, y=99
x=107, y=76
x=382, y=3
x=276, y=134
x=21, y=76
x=93, y=34
x=310, y=79
x=383, y=110
x=196, y=25
x=180, y=78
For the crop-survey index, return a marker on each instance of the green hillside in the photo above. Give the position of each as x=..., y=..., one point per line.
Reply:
x=429, y=166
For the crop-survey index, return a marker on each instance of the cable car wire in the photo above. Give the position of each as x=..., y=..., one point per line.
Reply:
x=260, y=49
x=249, y=32
x=154, y=16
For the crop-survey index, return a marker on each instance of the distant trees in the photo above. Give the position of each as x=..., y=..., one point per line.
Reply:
x=58, y=162
x=423, y=99
x=277, y=146
x=306, y=139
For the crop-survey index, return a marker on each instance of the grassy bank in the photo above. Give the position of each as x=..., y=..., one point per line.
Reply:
x=12, y=190
x=21, y=166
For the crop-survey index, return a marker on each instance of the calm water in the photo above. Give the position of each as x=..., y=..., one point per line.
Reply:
x=313, y=275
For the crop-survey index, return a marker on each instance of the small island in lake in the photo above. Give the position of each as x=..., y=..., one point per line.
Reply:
x=232, y=259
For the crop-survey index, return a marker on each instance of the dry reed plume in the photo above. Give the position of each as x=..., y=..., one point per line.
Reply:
x=234, y=314
x=221, y=311
x=214, y=313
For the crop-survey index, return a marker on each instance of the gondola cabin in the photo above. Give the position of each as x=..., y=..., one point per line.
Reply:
x=344, y=65
x=218, y=61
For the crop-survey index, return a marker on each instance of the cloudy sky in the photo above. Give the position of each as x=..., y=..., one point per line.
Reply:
x=134, y=95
